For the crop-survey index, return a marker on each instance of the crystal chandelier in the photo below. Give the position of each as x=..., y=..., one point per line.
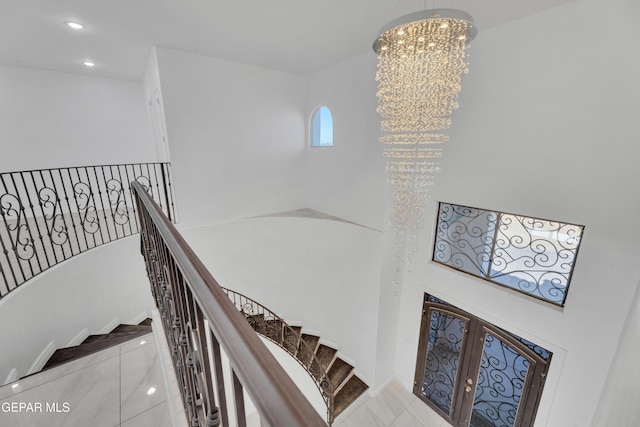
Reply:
x=421, y=59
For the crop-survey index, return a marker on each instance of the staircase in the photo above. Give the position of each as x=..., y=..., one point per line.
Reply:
x=93, y=343
x=317, y=359
x=336, y=379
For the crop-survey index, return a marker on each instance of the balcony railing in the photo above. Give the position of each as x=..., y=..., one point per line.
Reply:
x=50, y=215
x=200, y=323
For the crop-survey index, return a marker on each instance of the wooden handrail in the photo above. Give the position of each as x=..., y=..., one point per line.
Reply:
x=277, y=398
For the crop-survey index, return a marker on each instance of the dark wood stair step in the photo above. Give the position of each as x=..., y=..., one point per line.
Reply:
x=273, y=330
x=339, y=371
x=353, y=388
x=114, y=336
x=291, y=339
x=307, y=348
x=130, y=328
x=257, y=322
x=324, y=356
x=95, y=343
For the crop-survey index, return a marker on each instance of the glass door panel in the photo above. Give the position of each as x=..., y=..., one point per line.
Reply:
x=500, y=384
x=445, y=342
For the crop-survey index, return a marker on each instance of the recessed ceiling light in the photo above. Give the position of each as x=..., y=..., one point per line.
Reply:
x=74, y=25
x=151, y=391
x=89, y=64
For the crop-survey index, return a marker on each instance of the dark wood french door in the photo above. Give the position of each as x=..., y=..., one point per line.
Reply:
x=475, y=374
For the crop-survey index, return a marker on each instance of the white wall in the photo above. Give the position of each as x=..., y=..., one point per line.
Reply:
x=51, y=119
x=322, y=273
x=548, y=128
x=620, y=396
x=236, y=135
x=348, y=179
x=88, y=291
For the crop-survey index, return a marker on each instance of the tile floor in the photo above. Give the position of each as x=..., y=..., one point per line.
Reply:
x=394, y=406
x=118, y=387
x=110, y=389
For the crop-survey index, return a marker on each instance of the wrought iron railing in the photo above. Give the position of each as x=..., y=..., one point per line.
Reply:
x=273, y=327
x=50, y=215
x=199, y=321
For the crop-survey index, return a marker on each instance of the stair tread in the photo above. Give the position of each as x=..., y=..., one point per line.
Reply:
x=339, y=371
x=291, y=339
x=305, y=352
x=130, y=328
x=99, y=337
x=353, y=389
x=325, y=355
x=97, y=343
x=146, y=322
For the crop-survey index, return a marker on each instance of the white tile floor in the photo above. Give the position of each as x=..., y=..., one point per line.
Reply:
x=394, y=406
x=111, y=388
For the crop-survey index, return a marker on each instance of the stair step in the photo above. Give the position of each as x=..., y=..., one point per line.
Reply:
x=353, y=388
x=112, y=335
x=273, y=330
x=291, y=339
x=324, y=356
x=306, y=351
x=257, y=322
x=95, y=343
x=130, y=328
x=338, y=372
x=146, y=322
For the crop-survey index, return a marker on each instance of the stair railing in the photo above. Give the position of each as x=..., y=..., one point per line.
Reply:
x=199, y=321
x=274, y=328
x=50, y=215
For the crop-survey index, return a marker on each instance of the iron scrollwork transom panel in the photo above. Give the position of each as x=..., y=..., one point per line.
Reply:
x=533, y=256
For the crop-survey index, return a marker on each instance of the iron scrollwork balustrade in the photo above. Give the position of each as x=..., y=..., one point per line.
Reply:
x=531, y=255
x=184, y=326
x=274, y=328
x=50, y=215
x=199, y=320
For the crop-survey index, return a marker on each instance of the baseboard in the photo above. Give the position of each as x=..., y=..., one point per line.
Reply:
x=13, y=376
x=110, y=326
x=41, y=360
x=77, y=340
x=139, y=318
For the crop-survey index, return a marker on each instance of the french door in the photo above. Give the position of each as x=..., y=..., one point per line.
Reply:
x=475, y=374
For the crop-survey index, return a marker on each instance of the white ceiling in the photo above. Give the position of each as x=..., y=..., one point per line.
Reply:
x=292, y=35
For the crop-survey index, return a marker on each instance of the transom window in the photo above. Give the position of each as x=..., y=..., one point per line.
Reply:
x=531, y=255
x=322, y=127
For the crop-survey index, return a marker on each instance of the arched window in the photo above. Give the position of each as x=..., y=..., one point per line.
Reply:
x=322, y=127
